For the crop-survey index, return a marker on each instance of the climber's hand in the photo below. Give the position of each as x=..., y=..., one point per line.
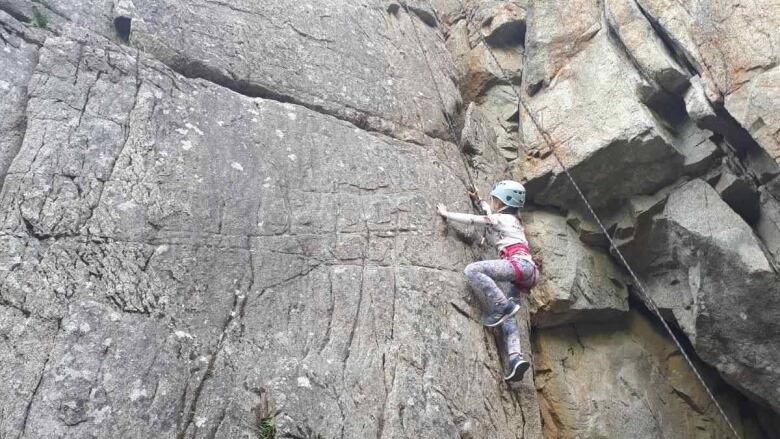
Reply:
x=442, y=210
x=473, y=194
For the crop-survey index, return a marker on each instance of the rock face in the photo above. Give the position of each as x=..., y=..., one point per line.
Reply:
x=579, y=283
x=719, y=285
x=19, y=55
x=182, y=261
x=613, y=150
x=217, y=216
x=298, y=53
x=624, y=379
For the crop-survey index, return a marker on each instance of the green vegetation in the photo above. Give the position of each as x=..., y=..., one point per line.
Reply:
x=266, y=429
x=39, y=19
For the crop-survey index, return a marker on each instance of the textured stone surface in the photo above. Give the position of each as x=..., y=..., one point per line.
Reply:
x=613, y=150
x=184, y=260
x=577, y=283
x=734, y=48
x=502, y=23
x=755, y=106
x=644, y=46
x=624, y=379
x=297, y=52
x=220, y=211
x=768, y=227
x=706, y=268
x=19, y=58
x=726, y=41
x=550, y=46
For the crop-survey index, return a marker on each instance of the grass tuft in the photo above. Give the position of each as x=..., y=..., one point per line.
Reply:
x=39, y=18
x=266, y=429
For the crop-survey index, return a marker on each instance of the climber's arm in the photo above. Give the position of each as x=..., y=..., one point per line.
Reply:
x=463, y=218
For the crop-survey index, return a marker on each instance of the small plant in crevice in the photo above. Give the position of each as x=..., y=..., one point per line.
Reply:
x=263, y=424
x=266, y=429
x=39, y=18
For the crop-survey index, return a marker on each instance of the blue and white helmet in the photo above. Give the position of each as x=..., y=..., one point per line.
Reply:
x=509, y=192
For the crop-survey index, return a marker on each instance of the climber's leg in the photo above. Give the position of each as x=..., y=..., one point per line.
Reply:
x=510, y=333
x=483, y=276
x=516, y=363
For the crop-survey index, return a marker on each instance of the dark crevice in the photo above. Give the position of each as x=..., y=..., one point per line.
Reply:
x=754, y=160
x=668, y=107
x=508, y=35
x=460, y=311
x=668, y=42
x=425, y=16
x=196, y=69
x=122, y=25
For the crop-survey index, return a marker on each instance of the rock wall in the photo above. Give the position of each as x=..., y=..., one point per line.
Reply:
x=217, y=215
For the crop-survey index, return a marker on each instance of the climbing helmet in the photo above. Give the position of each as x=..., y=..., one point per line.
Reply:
x=511, y=193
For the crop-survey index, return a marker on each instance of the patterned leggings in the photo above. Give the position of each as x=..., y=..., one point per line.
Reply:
x=483, y=276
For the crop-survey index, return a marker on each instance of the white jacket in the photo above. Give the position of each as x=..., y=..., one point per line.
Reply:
x=503, y=229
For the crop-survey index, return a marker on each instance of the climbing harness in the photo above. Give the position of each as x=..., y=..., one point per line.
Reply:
x=520, y=281
x=648, y=301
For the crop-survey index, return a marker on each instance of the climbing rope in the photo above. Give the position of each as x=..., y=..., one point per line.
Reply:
x=648, y=301
x=449, y=121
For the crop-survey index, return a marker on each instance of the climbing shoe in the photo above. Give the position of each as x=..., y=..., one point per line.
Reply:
x=516, y=368
x=500, y=314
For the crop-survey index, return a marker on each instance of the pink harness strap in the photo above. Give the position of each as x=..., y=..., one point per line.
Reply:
x=507, y=252
x=518, y=272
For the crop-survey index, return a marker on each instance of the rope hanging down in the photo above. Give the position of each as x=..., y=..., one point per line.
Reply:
x=648, y=301
x=450, y=126
x=455, y=137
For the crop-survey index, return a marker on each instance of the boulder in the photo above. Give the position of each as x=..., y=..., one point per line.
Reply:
x=696, y=146
x=608, y=139
x=577, y=283
x=704, y=267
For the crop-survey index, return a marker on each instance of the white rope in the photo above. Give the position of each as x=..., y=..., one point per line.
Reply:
x=649, y=302
x=454, y=135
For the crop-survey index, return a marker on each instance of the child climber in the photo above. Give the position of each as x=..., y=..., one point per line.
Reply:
x=505, y=231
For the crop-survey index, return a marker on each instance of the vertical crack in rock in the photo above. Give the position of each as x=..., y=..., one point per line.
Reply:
x=668, y=41
x=38, y=383
x=235, y=312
